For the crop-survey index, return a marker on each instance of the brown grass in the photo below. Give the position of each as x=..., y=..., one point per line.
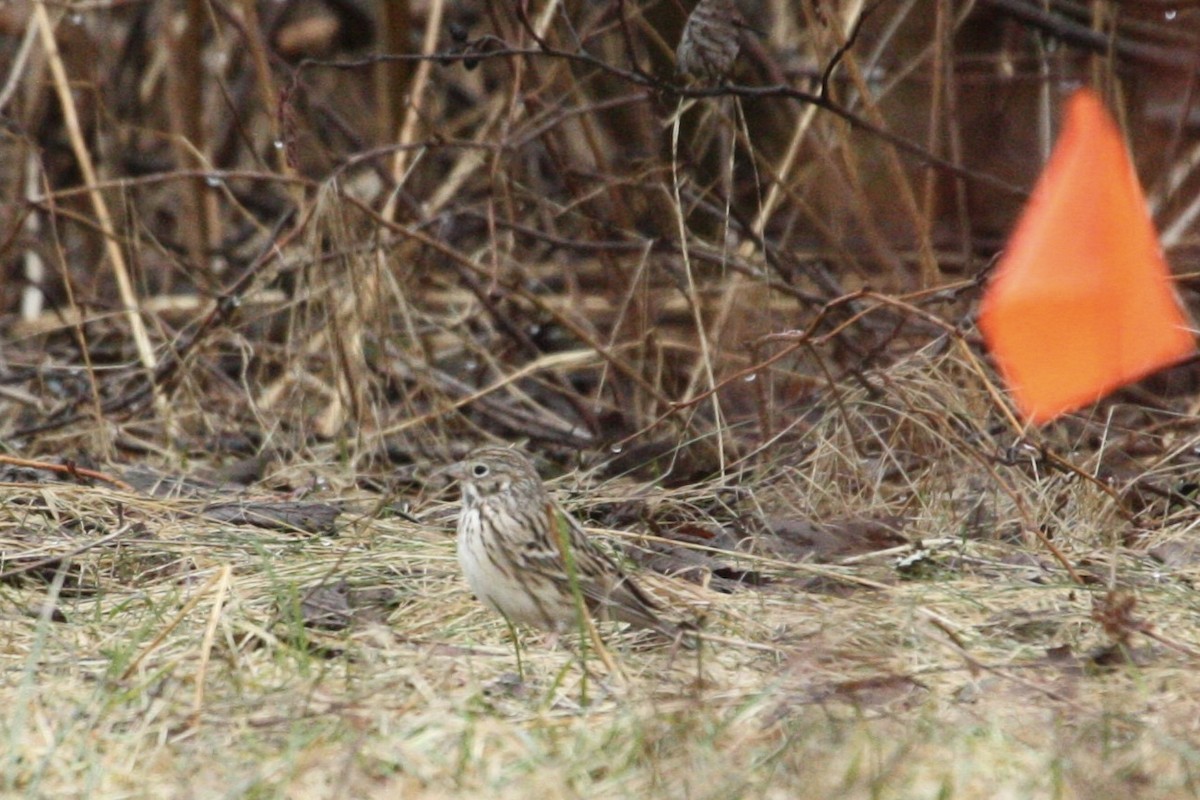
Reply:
x=254, y=268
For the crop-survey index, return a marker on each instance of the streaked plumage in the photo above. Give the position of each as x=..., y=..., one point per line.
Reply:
x=509, y=534
x=710, y=41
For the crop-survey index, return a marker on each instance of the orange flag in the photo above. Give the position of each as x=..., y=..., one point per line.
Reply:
x=1082, y=302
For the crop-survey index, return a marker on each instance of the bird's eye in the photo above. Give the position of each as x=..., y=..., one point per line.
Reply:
x=479, y=470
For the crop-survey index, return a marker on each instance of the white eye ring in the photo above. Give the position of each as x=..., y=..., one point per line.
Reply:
x=479, y=470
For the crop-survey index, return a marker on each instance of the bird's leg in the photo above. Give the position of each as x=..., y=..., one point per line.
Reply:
x=512, y=631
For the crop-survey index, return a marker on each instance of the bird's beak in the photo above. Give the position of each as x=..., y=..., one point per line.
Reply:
x=456, y=471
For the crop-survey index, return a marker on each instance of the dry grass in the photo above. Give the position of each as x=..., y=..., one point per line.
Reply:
x=738, y=340
x=181, y=664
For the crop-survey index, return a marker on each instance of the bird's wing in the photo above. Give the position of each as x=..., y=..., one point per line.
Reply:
x=603, y=584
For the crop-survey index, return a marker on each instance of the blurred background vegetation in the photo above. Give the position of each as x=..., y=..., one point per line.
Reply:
x=398, y=226
x=309, y=250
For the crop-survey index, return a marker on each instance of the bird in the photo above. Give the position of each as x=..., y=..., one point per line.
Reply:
x=710, y=41
x=528, y=559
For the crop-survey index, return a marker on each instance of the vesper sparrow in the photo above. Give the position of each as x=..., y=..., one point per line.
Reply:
x=511, y=538
x=710, y=41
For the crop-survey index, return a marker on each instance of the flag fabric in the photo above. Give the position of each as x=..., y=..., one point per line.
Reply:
x=1082, y=302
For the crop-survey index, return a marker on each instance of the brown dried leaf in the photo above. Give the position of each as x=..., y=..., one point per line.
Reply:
x=289, y=516
x=806, y=539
